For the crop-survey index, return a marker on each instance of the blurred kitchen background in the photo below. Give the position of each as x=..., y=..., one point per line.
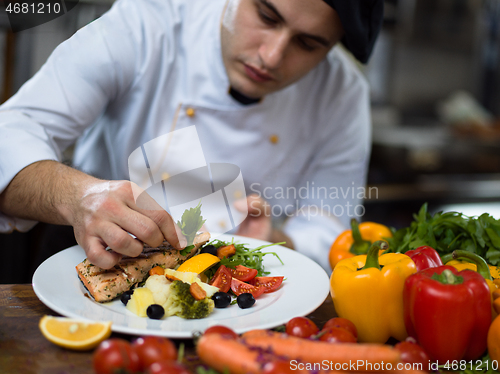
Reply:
x=435, y=78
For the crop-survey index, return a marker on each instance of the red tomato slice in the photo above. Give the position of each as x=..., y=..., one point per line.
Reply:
x=269, y=284
x=221, y=279
x=239, y=287
x=243, y=273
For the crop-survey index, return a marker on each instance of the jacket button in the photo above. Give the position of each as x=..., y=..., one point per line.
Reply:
x=190, y=112
x=274, y=139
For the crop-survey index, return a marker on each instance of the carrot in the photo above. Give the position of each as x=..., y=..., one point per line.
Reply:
x=226, y=251
x=352, y=356
x=224, y=354
x=197, y=292
x=157, y=270
x=234, y=356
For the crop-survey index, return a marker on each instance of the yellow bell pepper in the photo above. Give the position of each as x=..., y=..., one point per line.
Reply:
x=371, y=296
x=357, y=241
x=462, y=265
x=465, y=260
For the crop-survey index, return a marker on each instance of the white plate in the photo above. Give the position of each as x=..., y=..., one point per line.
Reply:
x=306, y=286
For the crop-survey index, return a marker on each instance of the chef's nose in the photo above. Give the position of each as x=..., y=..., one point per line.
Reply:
x=273, y=50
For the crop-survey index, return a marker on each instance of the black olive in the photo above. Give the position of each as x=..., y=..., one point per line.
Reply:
x=155, y=311
x=245, y=300
x=209, y=249
x=126, y=296
x=221, y=299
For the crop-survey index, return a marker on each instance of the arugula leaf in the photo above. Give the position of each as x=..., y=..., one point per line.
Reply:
x=191, y=221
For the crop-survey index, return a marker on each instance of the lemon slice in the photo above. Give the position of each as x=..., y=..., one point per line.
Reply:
x=74, y=334
x=199, y=263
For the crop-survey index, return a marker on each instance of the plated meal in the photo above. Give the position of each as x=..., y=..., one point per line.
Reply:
x=57, y=285
x=163, y=282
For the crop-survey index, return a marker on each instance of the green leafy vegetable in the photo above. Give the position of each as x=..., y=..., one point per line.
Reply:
x=447, y=231
x=191, y=221
x=252, y=258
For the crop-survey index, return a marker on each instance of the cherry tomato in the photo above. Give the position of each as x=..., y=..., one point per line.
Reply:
x=239, y=287
x=222, y=279
x=277, y=367
x=270, y=284
x=115, y=355
x=223, y=330
x=342, y=323
x=154, y=348
x=336, y=335
x=167, y=367
x=243, y=273
x=413, y=353
x=301, y=327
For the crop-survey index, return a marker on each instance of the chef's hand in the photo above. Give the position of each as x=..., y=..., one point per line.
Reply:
x=258, y=223
x=108, y=210
x=101, y=212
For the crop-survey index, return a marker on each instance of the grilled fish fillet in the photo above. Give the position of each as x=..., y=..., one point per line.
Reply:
x=106, y=284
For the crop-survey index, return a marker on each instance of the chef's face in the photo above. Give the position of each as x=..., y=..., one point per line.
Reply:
x=269, y=44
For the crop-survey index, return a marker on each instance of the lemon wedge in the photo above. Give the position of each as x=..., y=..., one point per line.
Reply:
x=198, y=264
x=74, y=334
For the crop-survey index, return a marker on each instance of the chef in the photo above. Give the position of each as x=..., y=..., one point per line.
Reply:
x=264, y=84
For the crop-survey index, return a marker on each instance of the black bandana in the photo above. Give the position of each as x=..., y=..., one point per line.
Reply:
x=362, y=20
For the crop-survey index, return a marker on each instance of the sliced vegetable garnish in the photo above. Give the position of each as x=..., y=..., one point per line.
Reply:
x=269, y=284
x=221, y=279
x=243, y=273
x=238, y=287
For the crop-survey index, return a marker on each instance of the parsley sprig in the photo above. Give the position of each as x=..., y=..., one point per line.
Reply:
x=191, y=221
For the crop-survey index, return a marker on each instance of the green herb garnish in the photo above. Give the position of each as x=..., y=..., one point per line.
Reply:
x=251, y=258
x=191, y=221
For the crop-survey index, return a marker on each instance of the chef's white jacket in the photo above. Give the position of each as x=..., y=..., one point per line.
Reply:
x=118, y=82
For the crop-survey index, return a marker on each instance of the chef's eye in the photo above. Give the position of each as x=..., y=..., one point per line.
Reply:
x=305, y=44
x=266, y=18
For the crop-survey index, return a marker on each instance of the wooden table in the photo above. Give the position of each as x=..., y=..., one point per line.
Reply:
x=24, y=350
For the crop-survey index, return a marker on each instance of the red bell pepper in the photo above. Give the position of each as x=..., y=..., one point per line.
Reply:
x=448, y=312
x=425, y=257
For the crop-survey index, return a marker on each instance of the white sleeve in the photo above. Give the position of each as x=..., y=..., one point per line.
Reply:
x=66, y=96
x=336, y=179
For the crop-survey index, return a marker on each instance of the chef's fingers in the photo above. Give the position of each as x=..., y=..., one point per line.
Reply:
x=169, y=229
x=256, y=206
x=147, y=206
x=119, y=240
x=97, y=254
x=142, y=227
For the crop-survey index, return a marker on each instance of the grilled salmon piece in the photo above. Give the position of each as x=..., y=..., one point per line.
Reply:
x=106, y=284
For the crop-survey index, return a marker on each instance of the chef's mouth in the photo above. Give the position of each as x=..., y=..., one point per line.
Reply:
x=256, y=74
